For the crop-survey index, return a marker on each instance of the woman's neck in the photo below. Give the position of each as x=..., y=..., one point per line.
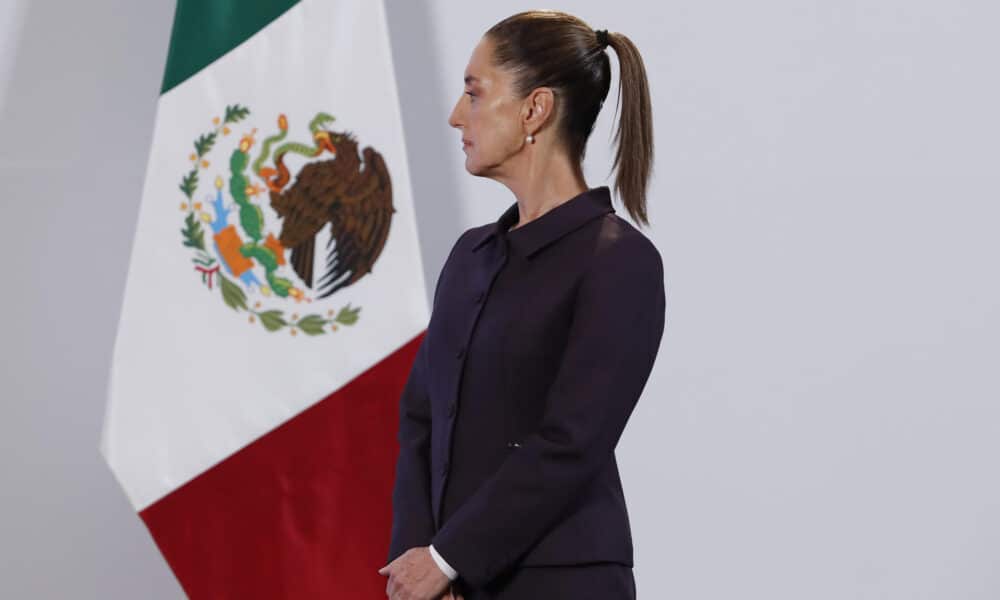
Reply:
x=545, y=187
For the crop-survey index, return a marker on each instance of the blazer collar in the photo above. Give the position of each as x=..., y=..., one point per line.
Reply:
x=552, y=225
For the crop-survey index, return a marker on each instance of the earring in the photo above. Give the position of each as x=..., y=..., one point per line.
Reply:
x=530, y=139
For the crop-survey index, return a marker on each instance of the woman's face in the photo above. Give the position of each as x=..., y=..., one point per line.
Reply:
x=488, y=115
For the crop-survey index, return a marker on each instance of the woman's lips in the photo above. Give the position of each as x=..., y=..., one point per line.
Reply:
x=466, y=143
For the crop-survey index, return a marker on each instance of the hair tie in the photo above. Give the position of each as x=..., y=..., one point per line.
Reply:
x=602, y=37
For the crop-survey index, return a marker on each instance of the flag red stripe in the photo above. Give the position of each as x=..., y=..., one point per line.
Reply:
x=302, y=512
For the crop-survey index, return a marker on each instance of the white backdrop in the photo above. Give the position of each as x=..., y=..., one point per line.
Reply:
x=821, y=422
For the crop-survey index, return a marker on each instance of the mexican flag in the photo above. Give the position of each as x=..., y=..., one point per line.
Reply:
x=274, y=303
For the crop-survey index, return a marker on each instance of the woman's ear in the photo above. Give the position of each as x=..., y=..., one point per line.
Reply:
x=537, y=109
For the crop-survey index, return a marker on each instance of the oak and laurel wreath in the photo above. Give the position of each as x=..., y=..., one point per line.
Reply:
x=194, y=237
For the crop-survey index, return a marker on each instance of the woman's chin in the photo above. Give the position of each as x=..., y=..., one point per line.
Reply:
x=478, y=167
x=472, y=166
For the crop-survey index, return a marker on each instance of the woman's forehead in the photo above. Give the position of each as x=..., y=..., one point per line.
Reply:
x=480, y=69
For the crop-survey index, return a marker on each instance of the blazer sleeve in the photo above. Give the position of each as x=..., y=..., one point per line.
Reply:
x=412, y=519
x=412, y=516
x=613, y=341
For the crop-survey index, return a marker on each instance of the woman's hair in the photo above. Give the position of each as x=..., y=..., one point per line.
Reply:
x=558, y=50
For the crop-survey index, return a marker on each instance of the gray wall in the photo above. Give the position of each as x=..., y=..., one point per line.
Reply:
x=76, y=127
x=822, y=421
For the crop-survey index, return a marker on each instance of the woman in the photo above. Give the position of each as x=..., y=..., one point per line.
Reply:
x=544, y=328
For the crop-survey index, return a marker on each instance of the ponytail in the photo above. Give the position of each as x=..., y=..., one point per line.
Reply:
x=634, y=136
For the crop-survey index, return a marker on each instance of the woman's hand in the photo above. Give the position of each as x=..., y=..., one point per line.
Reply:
x=415, y=576
x=451, y=594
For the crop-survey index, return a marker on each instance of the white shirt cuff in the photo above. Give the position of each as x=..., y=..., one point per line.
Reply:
x=444, y=566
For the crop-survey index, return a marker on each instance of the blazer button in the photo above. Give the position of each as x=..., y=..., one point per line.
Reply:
x=451, y=409
x=460, y=353
x=444, y=468
x=479, y=297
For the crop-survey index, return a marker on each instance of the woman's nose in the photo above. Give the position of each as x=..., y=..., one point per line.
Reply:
x=453, y=117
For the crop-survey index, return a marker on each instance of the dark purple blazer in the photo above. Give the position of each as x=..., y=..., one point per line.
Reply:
x=540, y=342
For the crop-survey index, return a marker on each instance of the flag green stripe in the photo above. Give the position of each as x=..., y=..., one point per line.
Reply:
x=204, y=30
